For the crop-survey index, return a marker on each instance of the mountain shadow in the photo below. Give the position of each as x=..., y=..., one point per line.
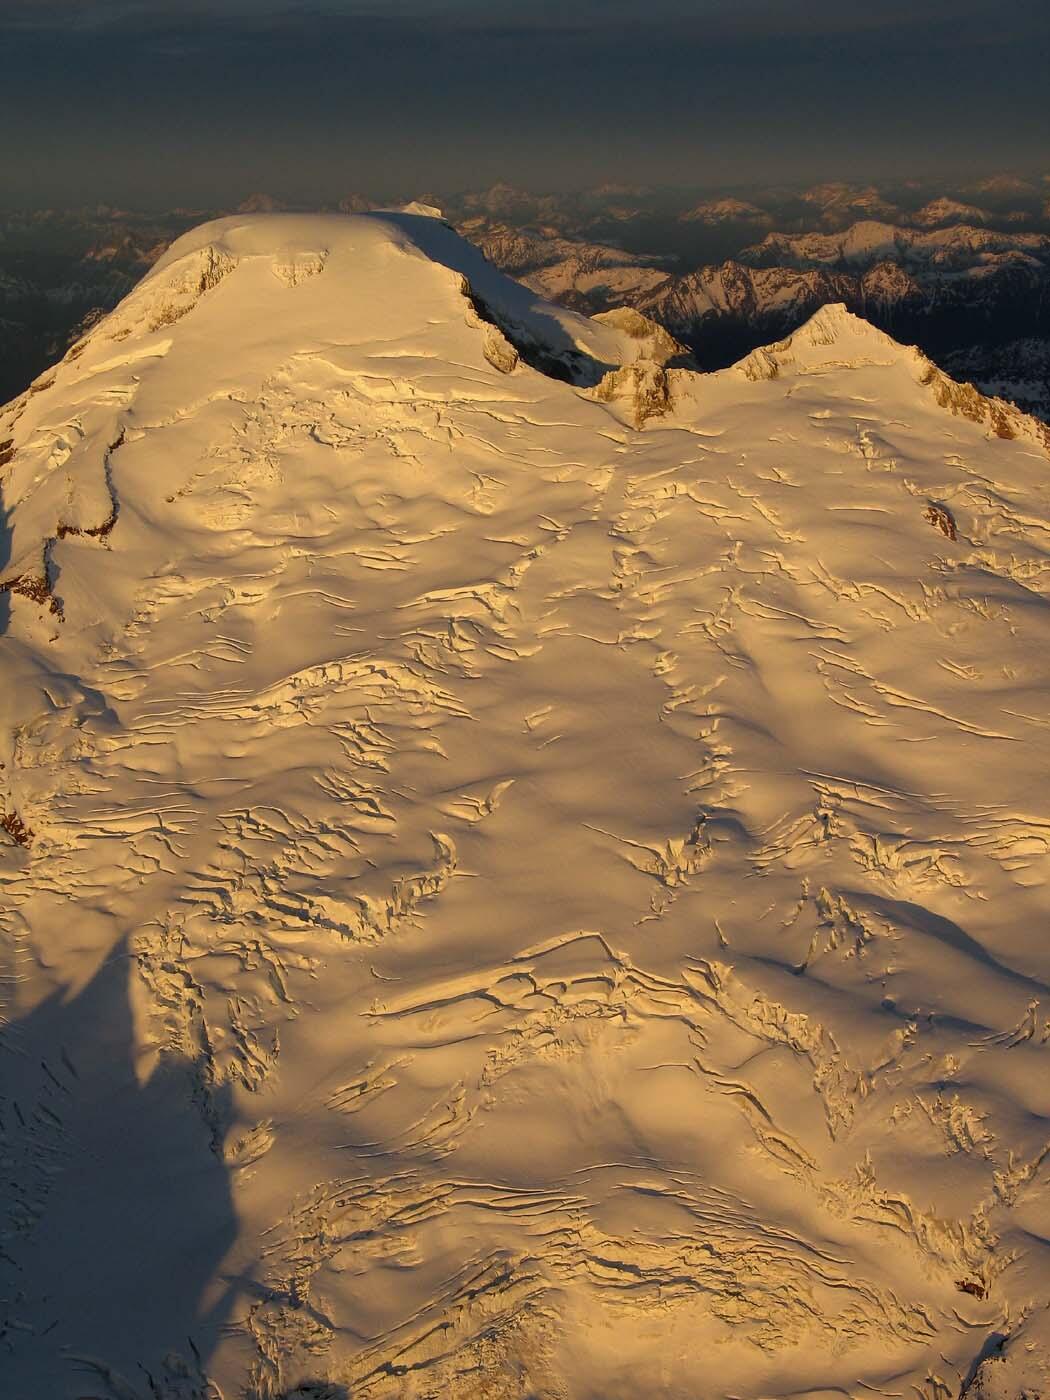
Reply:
x=117, y=1214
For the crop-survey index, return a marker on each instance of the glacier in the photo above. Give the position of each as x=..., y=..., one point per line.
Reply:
x=523, y=866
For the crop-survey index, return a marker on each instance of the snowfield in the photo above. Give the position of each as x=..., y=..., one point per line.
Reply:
x=524, y=867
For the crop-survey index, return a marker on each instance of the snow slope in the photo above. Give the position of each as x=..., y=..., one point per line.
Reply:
x=519, y=881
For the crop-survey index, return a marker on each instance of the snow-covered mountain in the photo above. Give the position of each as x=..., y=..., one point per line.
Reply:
x=964, y=279
x=840, y=204
x=746, y=293
x=523, y=865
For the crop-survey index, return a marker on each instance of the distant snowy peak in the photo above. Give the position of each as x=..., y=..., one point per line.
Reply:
x=356, y=203
x=563, y=269
x=730, y=288
x=841, y=204
x=1005, y=186
x=725, y=211
x=613, y=189
x=870, y=241
x=949, y=211
x=261, y=203
x=505, y=200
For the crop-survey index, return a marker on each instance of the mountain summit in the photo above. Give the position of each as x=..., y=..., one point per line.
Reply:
x=523, y=864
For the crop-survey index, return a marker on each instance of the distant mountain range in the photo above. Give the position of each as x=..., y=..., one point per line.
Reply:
x=962, y=271
x=969, y=293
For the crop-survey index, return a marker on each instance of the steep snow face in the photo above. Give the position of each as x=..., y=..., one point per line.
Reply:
x=501, y=902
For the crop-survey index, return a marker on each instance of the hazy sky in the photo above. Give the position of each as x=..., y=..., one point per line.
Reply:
x=204, y=101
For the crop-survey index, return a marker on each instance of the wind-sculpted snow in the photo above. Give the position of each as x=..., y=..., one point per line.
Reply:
x=516, y=882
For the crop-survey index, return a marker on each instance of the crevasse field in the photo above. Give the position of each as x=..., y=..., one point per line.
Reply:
x=524, y=867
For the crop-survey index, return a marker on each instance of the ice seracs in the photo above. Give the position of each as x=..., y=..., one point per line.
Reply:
x=522, y=864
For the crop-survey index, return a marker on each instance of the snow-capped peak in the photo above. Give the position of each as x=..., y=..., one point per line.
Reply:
x=519, y=860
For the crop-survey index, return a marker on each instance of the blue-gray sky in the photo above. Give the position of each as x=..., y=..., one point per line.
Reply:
x=203, y=101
